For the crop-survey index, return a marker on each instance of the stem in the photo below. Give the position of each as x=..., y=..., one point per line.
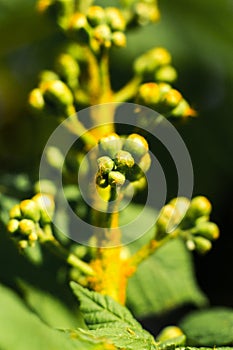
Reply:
x=106, y=91
x=129, y=90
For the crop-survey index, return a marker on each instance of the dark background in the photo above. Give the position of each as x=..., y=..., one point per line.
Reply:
x=200, y=37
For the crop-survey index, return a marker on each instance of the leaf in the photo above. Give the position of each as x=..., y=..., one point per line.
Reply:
x=106, y=318
x=50, y=309
x=213, y=327
x=164, y=281
x=23, y=330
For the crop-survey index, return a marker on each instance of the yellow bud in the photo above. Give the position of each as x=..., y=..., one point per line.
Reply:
x=30, y=210
x=13, y=226
x=36, y=100
x=115, y=19
x=15, y=212
x=47, y=207
x=136, y=145
x=95, y=15
x=27, y=227
x=119, y=39
x=149, y=94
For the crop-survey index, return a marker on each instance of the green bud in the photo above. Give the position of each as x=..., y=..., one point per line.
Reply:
x=54, y=157
x=152, y=60
x=182, y=110
x=13, y=226
x=199, y=206
x=136, y=145
x=105, y=164
x=27, y=227
x=78, y=27
x=169, y=333
x=95, y=15
x=164, y=88
x=123, y=160
x=116, y=178
x=57, y=93
x=202, y=245
x=30, y=210
x=149, y=95
x=68, y=69
x=115, y=19
x=146, y=12
x=208, y=230
x=46, y=205
x=164, y=223
x=23, y=244
x=47, y=75
x=36, y=100
x=171, y=99
x=15, y=212
x=166, y=73
x=110, y=145
x=102, y=34
x=119, y=39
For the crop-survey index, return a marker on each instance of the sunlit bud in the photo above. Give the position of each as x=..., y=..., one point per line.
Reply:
x=15, y=212
x=47, y=75
x=13, y=226
x=46, y=205
x=146, y=12
x=23, y=244
x=68, y=68
x=183, y=110
x=169, y=333
x=166, y=74
x=123, y=161
x=202, y=245
x=27, y=227
x=30, y=210
x=208, y=230
x=136, y=145
x=115, y=19
x=78, y=26
x=57, y=93
x=151, y=60
x=36, y=100
x=116, y=178
x=171, y=99
x=102, y=34
x=119, y=39
x=148, y=94
x=199, y=206
x=105, y=164
x=164, y=221
x=110, y=145
x=95, y=15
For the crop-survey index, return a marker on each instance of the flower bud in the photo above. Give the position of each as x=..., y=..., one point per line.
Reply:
x=13, y=226
x=30, y=210
x=57, y=93
x=123, y=161
x=36, y=100
x=146, y=12
x=208, y=230
x=47, y=207
x=78, y=27
x=47, y=75
x=116, y=178
x=152, y=60
x=115, y=19
x=15, y=212
x=105, y=164
x=166, y=73
x=182, y=110
x=149, y=94
x=119, y=39
x=202, y=245
x=199, y=206
x=164, y=222
x=110, y=145
x=102, y=34
x=95, y=15
x=27, y=227
x=171, y=99
x=169, y=333
x=54, y=157
x=68, y=68
x=136, y=145
x=22, y=244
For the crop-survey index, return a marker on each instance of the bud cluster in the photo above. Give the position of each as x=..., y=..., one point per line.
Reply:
x=141, y=12
x=193, y=225
x=28, y=219
x=122, y=159
x=164, y=99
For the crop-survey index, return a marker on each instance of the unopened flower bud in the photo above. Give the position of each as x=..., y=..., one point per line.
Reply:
x=27, y=227
x=148, y=94
x=182, y=110
x=105, y=164
x=110, y=145
x=102, y=34
x=169, y=333
x=95, y=15
x=22, y=244
x=136, y=145
x=208, y=230
x=47, y=207
x=123, y=161
x=119, y=39
x=15, y=212
x=115, y=19
x=47, y=75
x=54, y=157
x=78, y=27
x=57, y=93
x=171, y=99
x=166, y=74
x=36, y=100
x=68, y=68
x=30, y=210
x=202, y=245
x=13, y=226
x=116, y=178
x=199, y=206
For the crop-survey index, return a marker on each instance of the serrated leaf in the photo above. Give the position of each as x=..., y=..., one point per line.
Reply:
x=164, y=281
x=211, y=327
x=106, y=318
x=23, y=330
x=50, y=309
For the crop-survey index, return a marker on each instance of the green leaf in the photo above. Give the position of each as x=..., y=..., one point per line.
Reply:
x=106, y=318
x=50, y=309
x=23, y=330
x=164, y=281
x=213, y=327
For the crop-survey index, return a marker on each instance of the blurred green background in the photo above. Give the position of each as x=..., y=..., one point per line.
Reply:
x=199, y=34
